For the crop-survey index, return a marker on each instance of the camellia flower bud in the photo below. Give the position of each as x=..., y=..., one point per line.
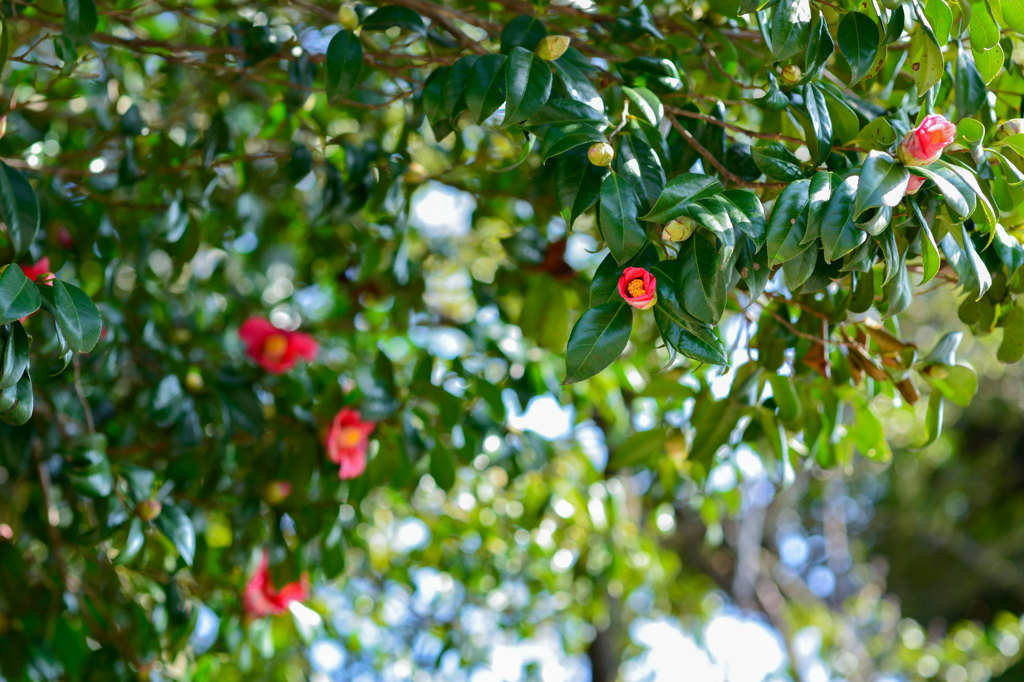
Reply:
x=678, y=230
x=601, y=154
x=348, y=18
x=277, y=492
x=3, y=126
x=792, y=74
x=148, y=509
x=924, y=144
x=914, y=184
x=1014, y=126
x=639, y=288
x=552, y=47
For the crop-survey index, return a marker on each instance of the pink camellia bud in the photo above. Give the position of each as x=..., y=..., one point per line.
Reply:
x=792, y=74
x=678, y=230
x=914, y=184
x=277, y=492
x=639, y=288
x=65, y=238
x=601, y=154
x=552, y=47
x=924, y=144
x=1014, y=126
x=148, y=510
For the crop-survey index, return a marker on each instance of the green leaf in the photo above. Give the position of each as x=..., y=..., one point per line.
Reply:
x=80, y=20
x=442, y=467
x=933, y=420
x=74, y=311
x=819, y=193
x=133, y=544
x=989, y=63
x=177, y=526
x=344, y=62
x=883, y=182
x=577, y=185
x=24, y=400
x=930, y=260
x=639, y=163
x=523, y=32
x=680, y=191
x=1012, y=347
x=839, y=234
x=657, y=74
x=858, y=38
x=796, y=270
x=787, y=223
x=19, y=209
x=777, y=162
x=940, y=17
x=485, y=90
x=433, y=104
x=701, y=281
x=560, y=138
x=19, y=297
x=638, y=448
x=527, y=85
x=647, y=103
x=878, y=134
x=89, y=468
x=791, y=29
x=968, y=85
x=957, y=195
x=786, y=399
x=572, y=73
x=958, y=383
x=898, y=290
x=453, y=90
x=819, y=141
x=15, y=356
x=983, y=29
x=619, y=226
x=599, y=337
x=925, y=59
x=746, y=213
x=393, y=15
x=684, y=333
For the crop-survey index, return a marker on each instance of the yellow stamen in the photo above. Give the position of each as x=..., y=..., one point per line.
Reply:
x=636, y=288
x=275, y=346
x=350, y=437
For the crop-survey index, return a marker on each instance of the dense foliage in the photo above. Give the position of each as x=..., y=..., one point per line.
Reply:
x=282, y=277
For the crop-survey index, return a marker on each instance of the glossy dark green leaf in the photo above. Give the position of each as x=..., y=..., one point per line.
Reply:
x=701, y=281
x=680, y=191
x=577, y=185
x=791, y=29
x=527, y=85
x=619, y=226
x=393, y=15
x=74, y=311
x=968, y=85
x=839, y=234
x=560, y=138
x=858, y=38
x=177, y=526
x=19, y=209
x=599, y=337
x=898, y=291
x=796, y=270
x=819, y=139
x=19, y=297
x=453, y=91
x=883, y=182
x=657, y=74
x=343, y=64
x=788, y=223
x=640, y=165
x=15, y=356
x=571, y=71
x=24, y=402
x=953, y=191
x=524, y=32
x=819, y=193
x=485, y=89
x=80, y=20
x=777, y=162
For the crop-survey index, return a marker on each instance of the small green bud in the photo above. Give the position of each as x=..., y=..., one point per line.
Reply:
x=1014, y=126
x=601, y=154
x=194, y=380
x=552, y=47
x=792, y=74
x=678, y=230
x=348, y=18
x=277, y=492
x=148, y=510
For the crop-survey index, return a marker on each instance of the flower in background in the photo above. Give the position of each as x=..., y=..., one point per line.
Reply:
x=347, y=440
x=261, y=598
x=924, y=144
x=35, y=270
x=639, y=288
x=276, y=350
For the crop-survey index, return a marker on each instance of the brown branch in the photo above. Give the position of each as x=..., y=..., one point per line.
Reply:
x=710, y=158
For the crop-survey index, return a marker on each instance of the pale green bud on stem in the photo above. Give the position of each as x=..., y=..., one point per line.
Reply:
x=601, y=154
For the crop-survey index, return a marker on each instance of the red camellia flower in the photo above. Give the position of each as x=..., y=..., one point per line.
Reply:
x=639, y=288
x=261, y=598
x=914, y=184
x=347, y=440
x=276, y=350
x=36, y=269
x=924, y=144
